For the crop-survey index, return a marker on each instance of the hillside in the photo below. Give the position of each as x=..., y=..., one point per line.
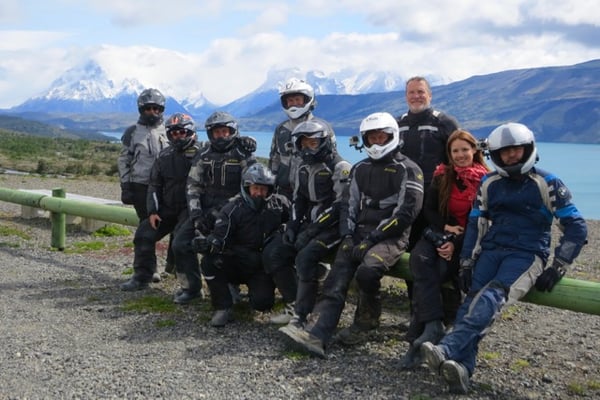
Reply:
x=30, y=126
x=560, y=104
x=57, y=155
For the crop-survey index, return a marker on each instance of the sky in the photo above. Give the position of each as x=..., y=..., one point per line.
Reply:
x=225, y=49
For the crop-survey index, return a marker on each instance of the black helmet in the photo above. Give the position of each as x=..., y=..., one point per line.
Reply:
x=316, y=129
x=177, y=122
x=257, y=174
x=221, y=118
x=151, y=97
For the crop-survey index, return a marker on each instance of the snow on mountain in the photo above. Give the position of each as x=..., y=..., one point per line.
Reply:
x=89, y=88
x=347, y=81
x=88, y=82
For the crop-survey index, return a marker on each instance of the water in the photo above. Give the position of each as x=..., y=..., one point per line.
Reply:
x=577, y=165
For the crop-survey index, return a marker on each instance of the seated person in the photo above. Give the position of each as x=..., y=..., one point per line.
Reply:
x=434, y=259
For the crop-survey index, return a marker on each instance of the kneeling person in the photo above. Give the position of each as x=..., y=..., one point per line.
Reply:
x=233, y=250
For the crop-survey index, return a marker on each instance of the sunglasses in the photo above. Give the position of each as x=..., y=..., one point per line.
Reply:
x=178, y=132
x=152, y=108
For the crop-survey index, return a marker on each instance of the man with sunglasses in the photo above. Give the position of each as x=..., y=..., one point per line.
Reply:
x=142, y=144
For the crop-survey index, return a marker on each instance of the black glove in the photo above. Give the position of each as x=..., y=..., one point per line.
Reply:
x=304, y=237
x=360, y=250
x=289, y=237
x=201, y=245
x=127, y=195
x=205, y=223
x=465, y=274
x=347, y=244
x=247, y=143
x=208, y=245
x=551, y=275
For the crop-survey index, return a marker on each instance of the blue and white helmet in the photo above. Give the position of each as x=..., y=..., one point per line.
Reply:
x=509, y=135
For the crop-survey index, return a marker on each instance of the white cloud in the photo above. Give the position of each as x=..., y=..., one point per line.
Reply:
x=224, y=49
x=18, y=40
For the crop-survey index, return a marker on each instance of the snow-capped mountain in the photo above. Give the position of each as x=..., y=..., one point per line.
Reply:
x=87, y=88
x=343, y=82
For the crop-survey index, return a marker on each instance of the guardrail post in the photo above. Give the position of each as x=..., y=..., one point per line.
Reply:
x=59, y=223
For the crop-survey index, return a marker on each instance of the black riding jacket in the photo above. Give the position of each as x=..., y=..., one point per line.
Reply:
x=168, y=177
x=425, y=136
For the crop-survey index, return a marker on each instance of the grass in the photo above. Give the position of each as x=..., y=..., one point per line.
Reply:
x=490, y=355
x=153, y=304
x=296, y=355
x=12, y=231
x=508, y=313
x=582, y=388
x=112, y=231
x=83, y=247
x=519, y=365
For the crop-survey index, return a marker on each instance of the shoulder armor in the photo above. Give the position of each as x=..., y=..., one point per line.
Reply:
x=127, y=135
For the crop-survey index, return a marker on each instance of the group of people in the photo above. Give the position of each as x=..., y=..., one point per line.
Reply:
x=309, y=223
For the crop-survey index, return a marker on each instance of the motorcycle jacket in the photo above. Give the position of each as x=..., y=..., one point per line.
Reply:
x=214, y=178
x=320, y=190
x=386, y=195
x=168, y=179
x=517, y=213
x=141, y=146
x=425, y=136
x=242, y=226
x=283, y=160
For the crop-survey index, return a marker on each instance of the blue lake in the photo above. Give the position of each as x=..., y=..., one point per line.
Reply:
x=577, y=165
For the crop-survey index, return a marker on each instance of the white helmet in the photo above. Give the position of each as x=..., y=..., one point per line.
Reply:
x=297, y=86
x=380, y=121
x=508, y=135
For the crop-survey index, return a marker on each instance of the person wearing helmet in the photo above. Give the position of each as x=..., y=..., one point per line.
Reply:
x=506, y=248
x=313, y=233
x=385, y=196
x=424, y=132
x=142, y=143
x=434, y=259
x=298, y=101
x=233, y=251
x=166, y=204
x=214, y=177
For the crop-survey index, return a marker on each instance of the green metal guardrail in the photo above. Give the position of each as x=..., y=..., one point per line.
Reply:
x=570, y=294
x=59, y=207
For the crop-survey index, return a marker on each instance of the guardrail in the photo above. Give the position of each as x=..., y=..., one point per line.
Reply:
x=569, y=294
x=59, y=207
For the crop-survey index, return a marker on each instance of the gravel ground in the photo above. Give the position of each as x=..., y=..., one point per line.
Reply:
x=68, y=332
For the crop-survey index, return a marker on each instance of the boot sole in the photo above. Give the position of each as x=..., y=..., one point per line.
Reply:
x=293, y=335
x=455, y=376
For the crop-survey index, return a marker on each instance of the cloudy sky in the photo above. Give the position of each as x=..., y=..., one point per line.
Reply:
x=224, y=49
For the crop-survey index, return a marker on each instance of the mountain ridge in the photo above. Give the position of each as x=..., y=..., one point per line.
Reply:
x=560, y=104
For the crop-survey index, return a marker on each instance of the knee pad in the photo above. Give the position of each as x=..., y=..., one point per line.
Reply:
x=368, y=278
